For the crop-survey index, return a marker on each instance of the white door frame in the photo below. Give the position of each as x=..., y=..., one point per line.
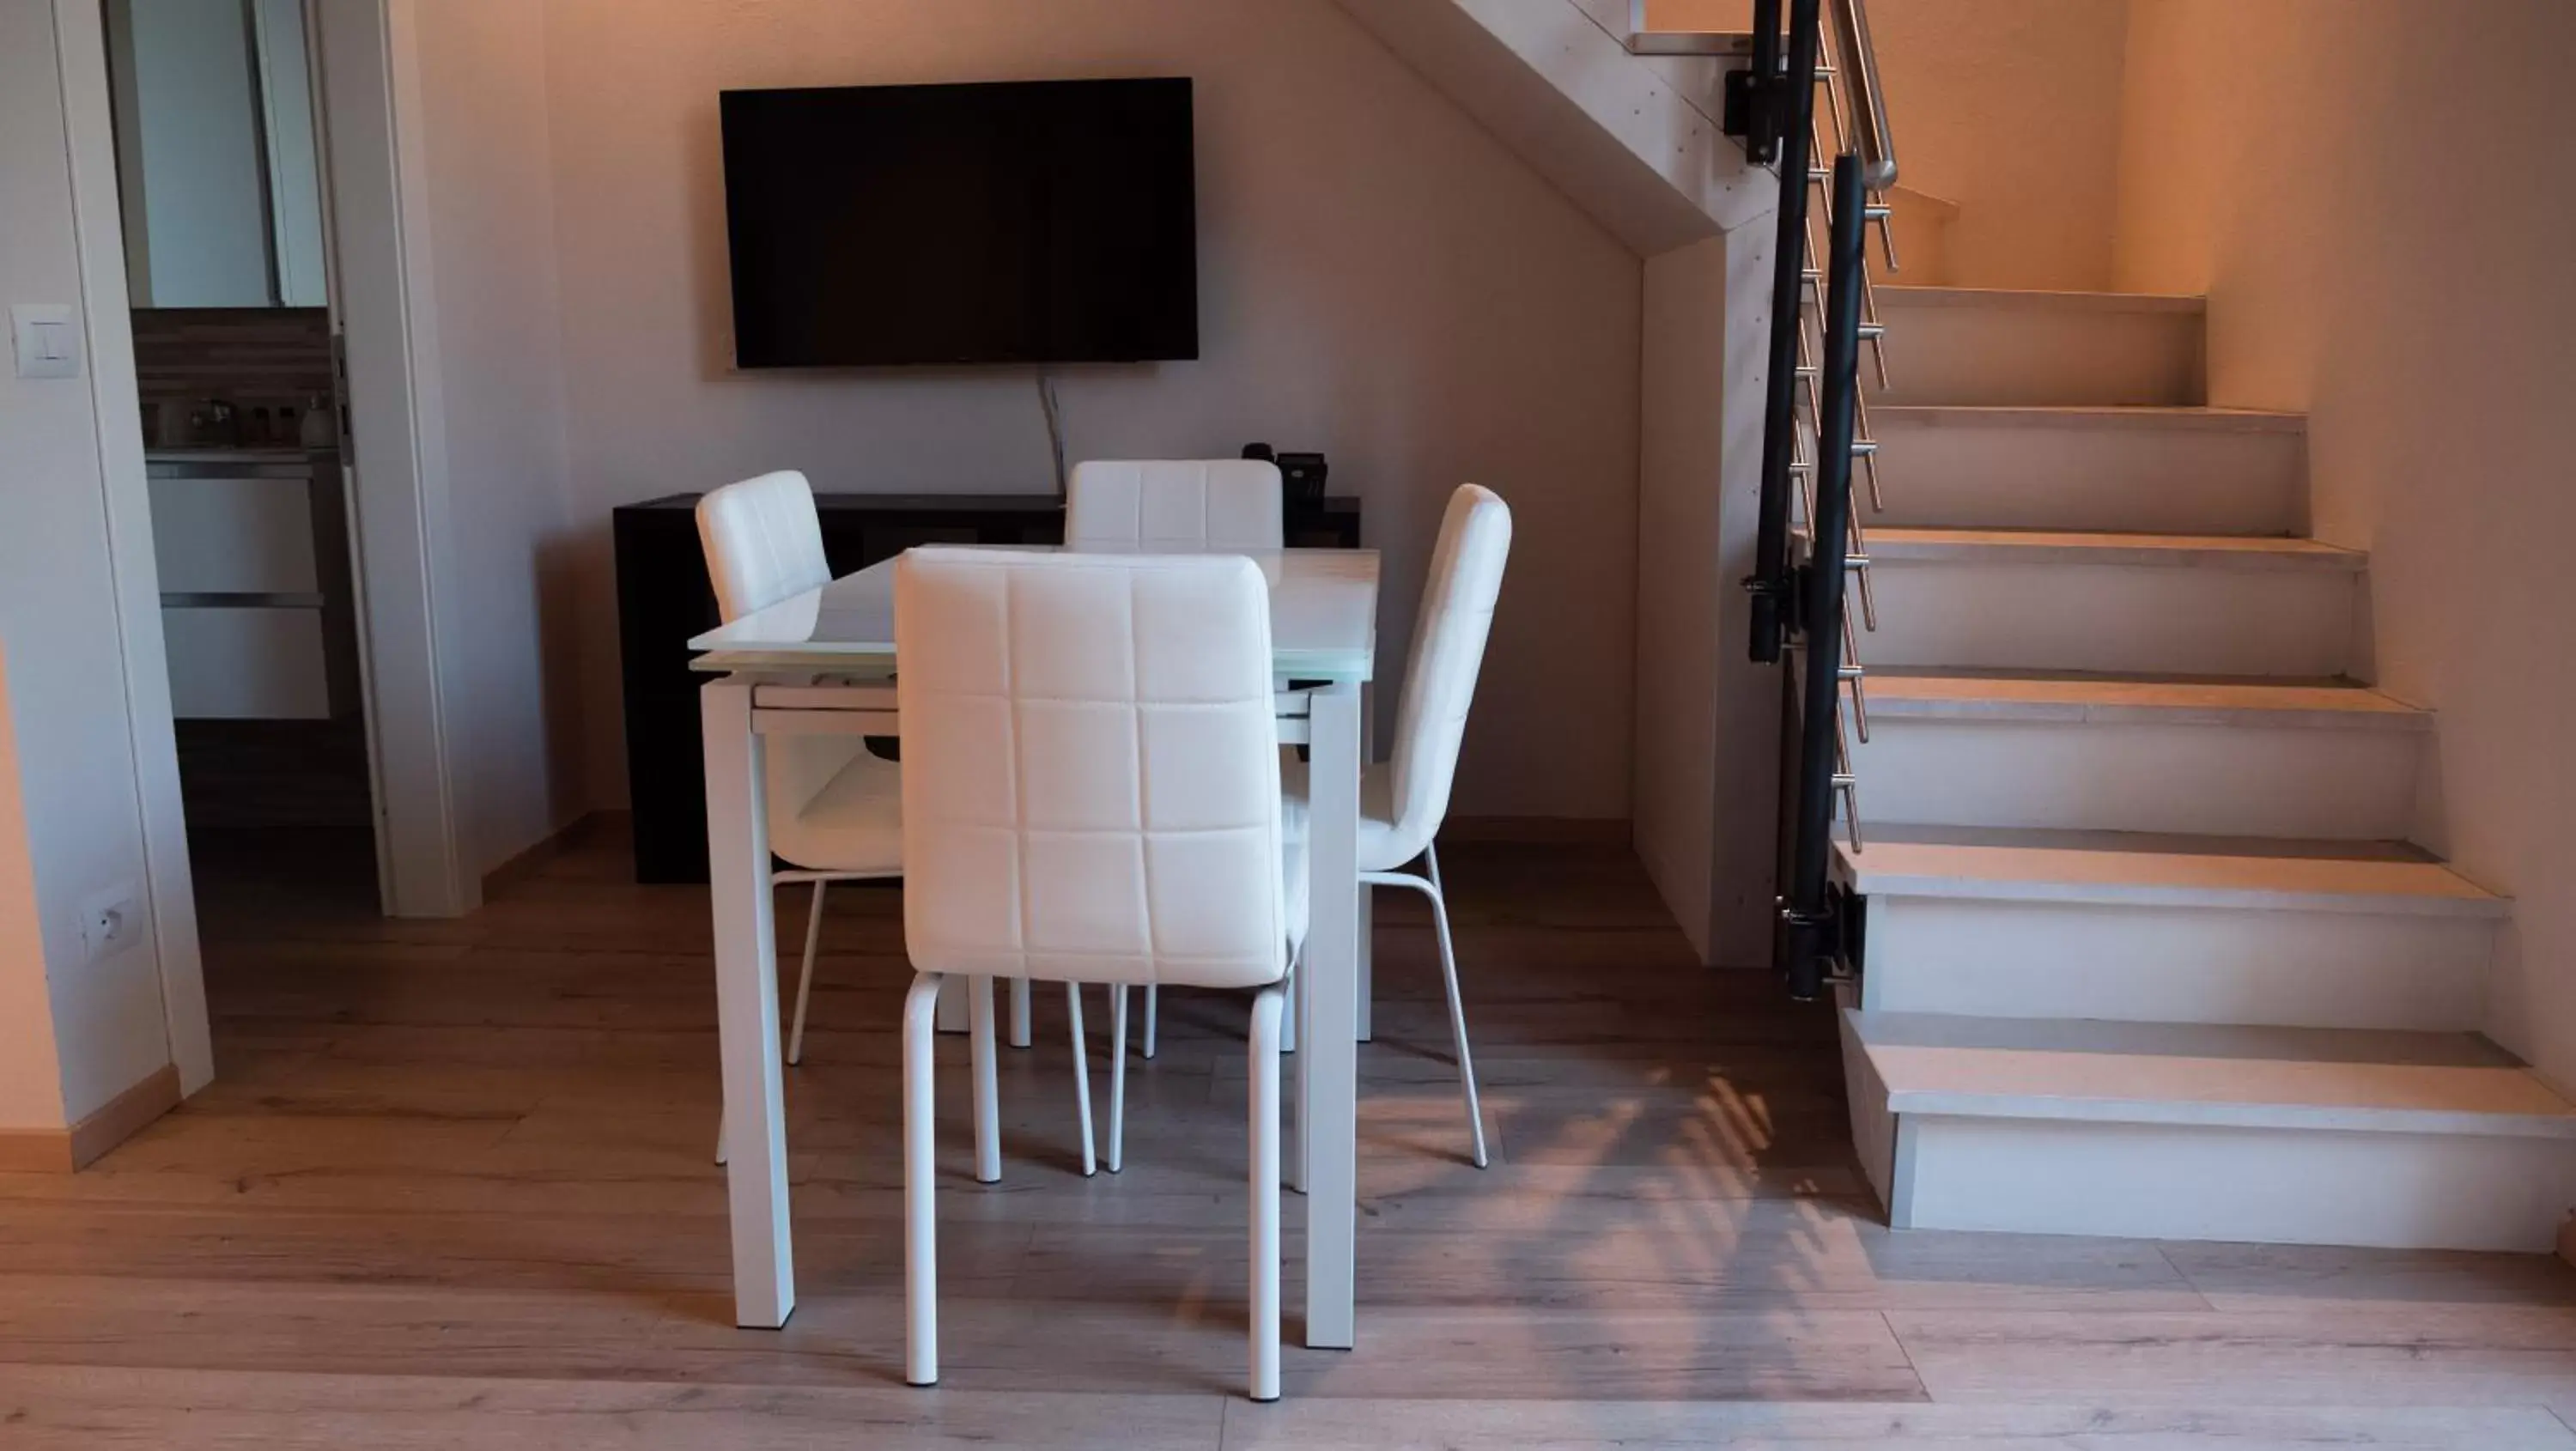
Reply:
x=368, y=108
x=376, y=183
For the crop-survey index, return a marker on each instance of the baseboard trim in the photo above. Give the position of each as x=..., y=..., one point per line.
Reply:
x=66, y=1151
x=1538, y=830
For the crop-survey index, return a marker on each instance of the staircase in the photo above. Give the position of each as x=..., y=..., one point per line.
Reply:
x=2134, y=942
x=2145, y=951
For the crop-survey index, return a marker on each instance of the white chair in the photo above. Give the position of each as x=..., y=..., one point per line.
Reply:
x=1091, y=793
x=1222, y=505
x=835, y=810
x=1403, y=801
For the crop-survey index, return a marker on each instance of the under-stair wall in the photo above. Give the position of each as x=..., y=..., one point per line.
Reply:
x=1635, y=140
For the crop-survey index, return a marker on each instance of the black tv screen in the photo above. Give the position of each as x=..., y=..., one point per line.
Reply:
x=1026, y=222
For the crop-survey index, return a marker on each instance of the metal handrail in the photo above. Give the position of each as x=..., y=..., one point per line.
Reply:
x=1807, y=907
x=1801, y=599
x=1859, y=59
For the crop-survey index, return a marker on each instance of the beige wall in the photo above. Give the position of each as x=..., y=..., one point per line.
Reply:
x=2009, y=108
x=1380, y=280
x=31, y=1081
x=2399, y=272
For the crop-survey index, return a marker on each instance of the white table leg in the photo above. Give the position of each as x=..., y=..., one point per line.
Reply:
x=764, y=1265
x=1328, y=1050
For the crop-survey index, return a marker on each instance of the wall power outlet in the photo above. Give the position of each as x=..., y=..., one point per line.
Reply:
x=111, y=921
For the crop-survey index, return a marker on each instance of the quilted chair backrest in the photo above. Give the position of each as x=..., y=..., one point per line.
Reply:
x=1225, y=504
x=1448, y=650
x=764, y=542
x=1090, y=767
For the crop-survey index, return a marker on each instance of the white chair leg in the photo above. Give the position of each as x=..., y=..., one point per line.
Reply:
x=1366, y=1023
x=805, y=979
x=1081, y=1076
x=988, y=1112
x=1153, y=1004
x=1019, y=1012
x=1457, y=1007
x=1293, y=1147
x=1266, y=1017
x=1292, y=1022
x=920, y=1186
x=1118, y=1075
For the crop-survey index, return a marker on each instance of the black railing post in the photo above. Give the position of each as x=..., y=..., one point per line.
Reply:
x=1772, y=581
x=1808, y=908
x=1760, y=86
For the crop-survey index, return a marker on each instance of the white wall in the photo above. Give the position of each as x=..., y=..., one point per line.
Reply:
x=2400, y=275
x=71, y=819
x=1380, y=280
x=509, y=663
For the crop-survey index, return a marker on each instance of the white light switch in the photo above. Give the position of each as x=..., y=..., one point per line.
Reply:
x=48, y=341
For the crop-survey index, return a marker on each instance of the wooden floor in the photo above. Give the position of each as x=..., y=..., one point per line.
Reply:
x=453, y=1189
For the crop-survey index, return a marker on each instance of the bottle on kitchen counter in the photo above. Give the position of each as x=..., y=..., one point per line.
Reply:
x=321, y=428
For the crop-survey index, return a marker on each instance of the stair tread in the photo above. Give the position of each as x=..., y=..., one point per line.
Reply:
x=1890, y=294
x=2174, y=416
x=1923, y=694
x=2218, y=1075
x=2150, y=870
x=2045, y=546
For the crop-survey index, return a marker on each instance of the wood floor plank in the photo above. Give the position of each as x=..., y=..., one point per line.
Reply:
x=84, y=1408
x=2253, y=1275
x=2285, y=1354
x=1716, y=1257
x=1428, y=1425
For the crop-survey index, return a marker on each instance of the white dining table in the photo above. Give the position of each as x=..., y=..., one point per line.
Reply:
x=823, y=662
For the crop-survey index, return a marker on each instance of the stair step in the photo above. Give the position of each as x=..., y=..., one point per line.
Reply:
x=2167, y=928
x=2210, y=1073
x=2084, y=601
x=2168, y=551
x=2143, y=869
x=2209, y=1131
x=2139, y=753
x=2166, y=700
x=2179, y=470
x=1980, y=346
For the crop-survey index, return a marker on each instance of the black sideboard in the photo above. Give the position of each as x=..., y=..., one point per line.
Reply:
x=664, y=599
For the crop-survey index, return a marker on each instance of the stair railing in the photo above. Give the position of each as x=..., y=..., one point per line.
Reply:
x=1800, y=604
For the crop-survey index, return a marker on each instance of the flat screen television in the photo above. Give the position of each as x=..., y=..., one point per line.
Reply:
x=1022, y=222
